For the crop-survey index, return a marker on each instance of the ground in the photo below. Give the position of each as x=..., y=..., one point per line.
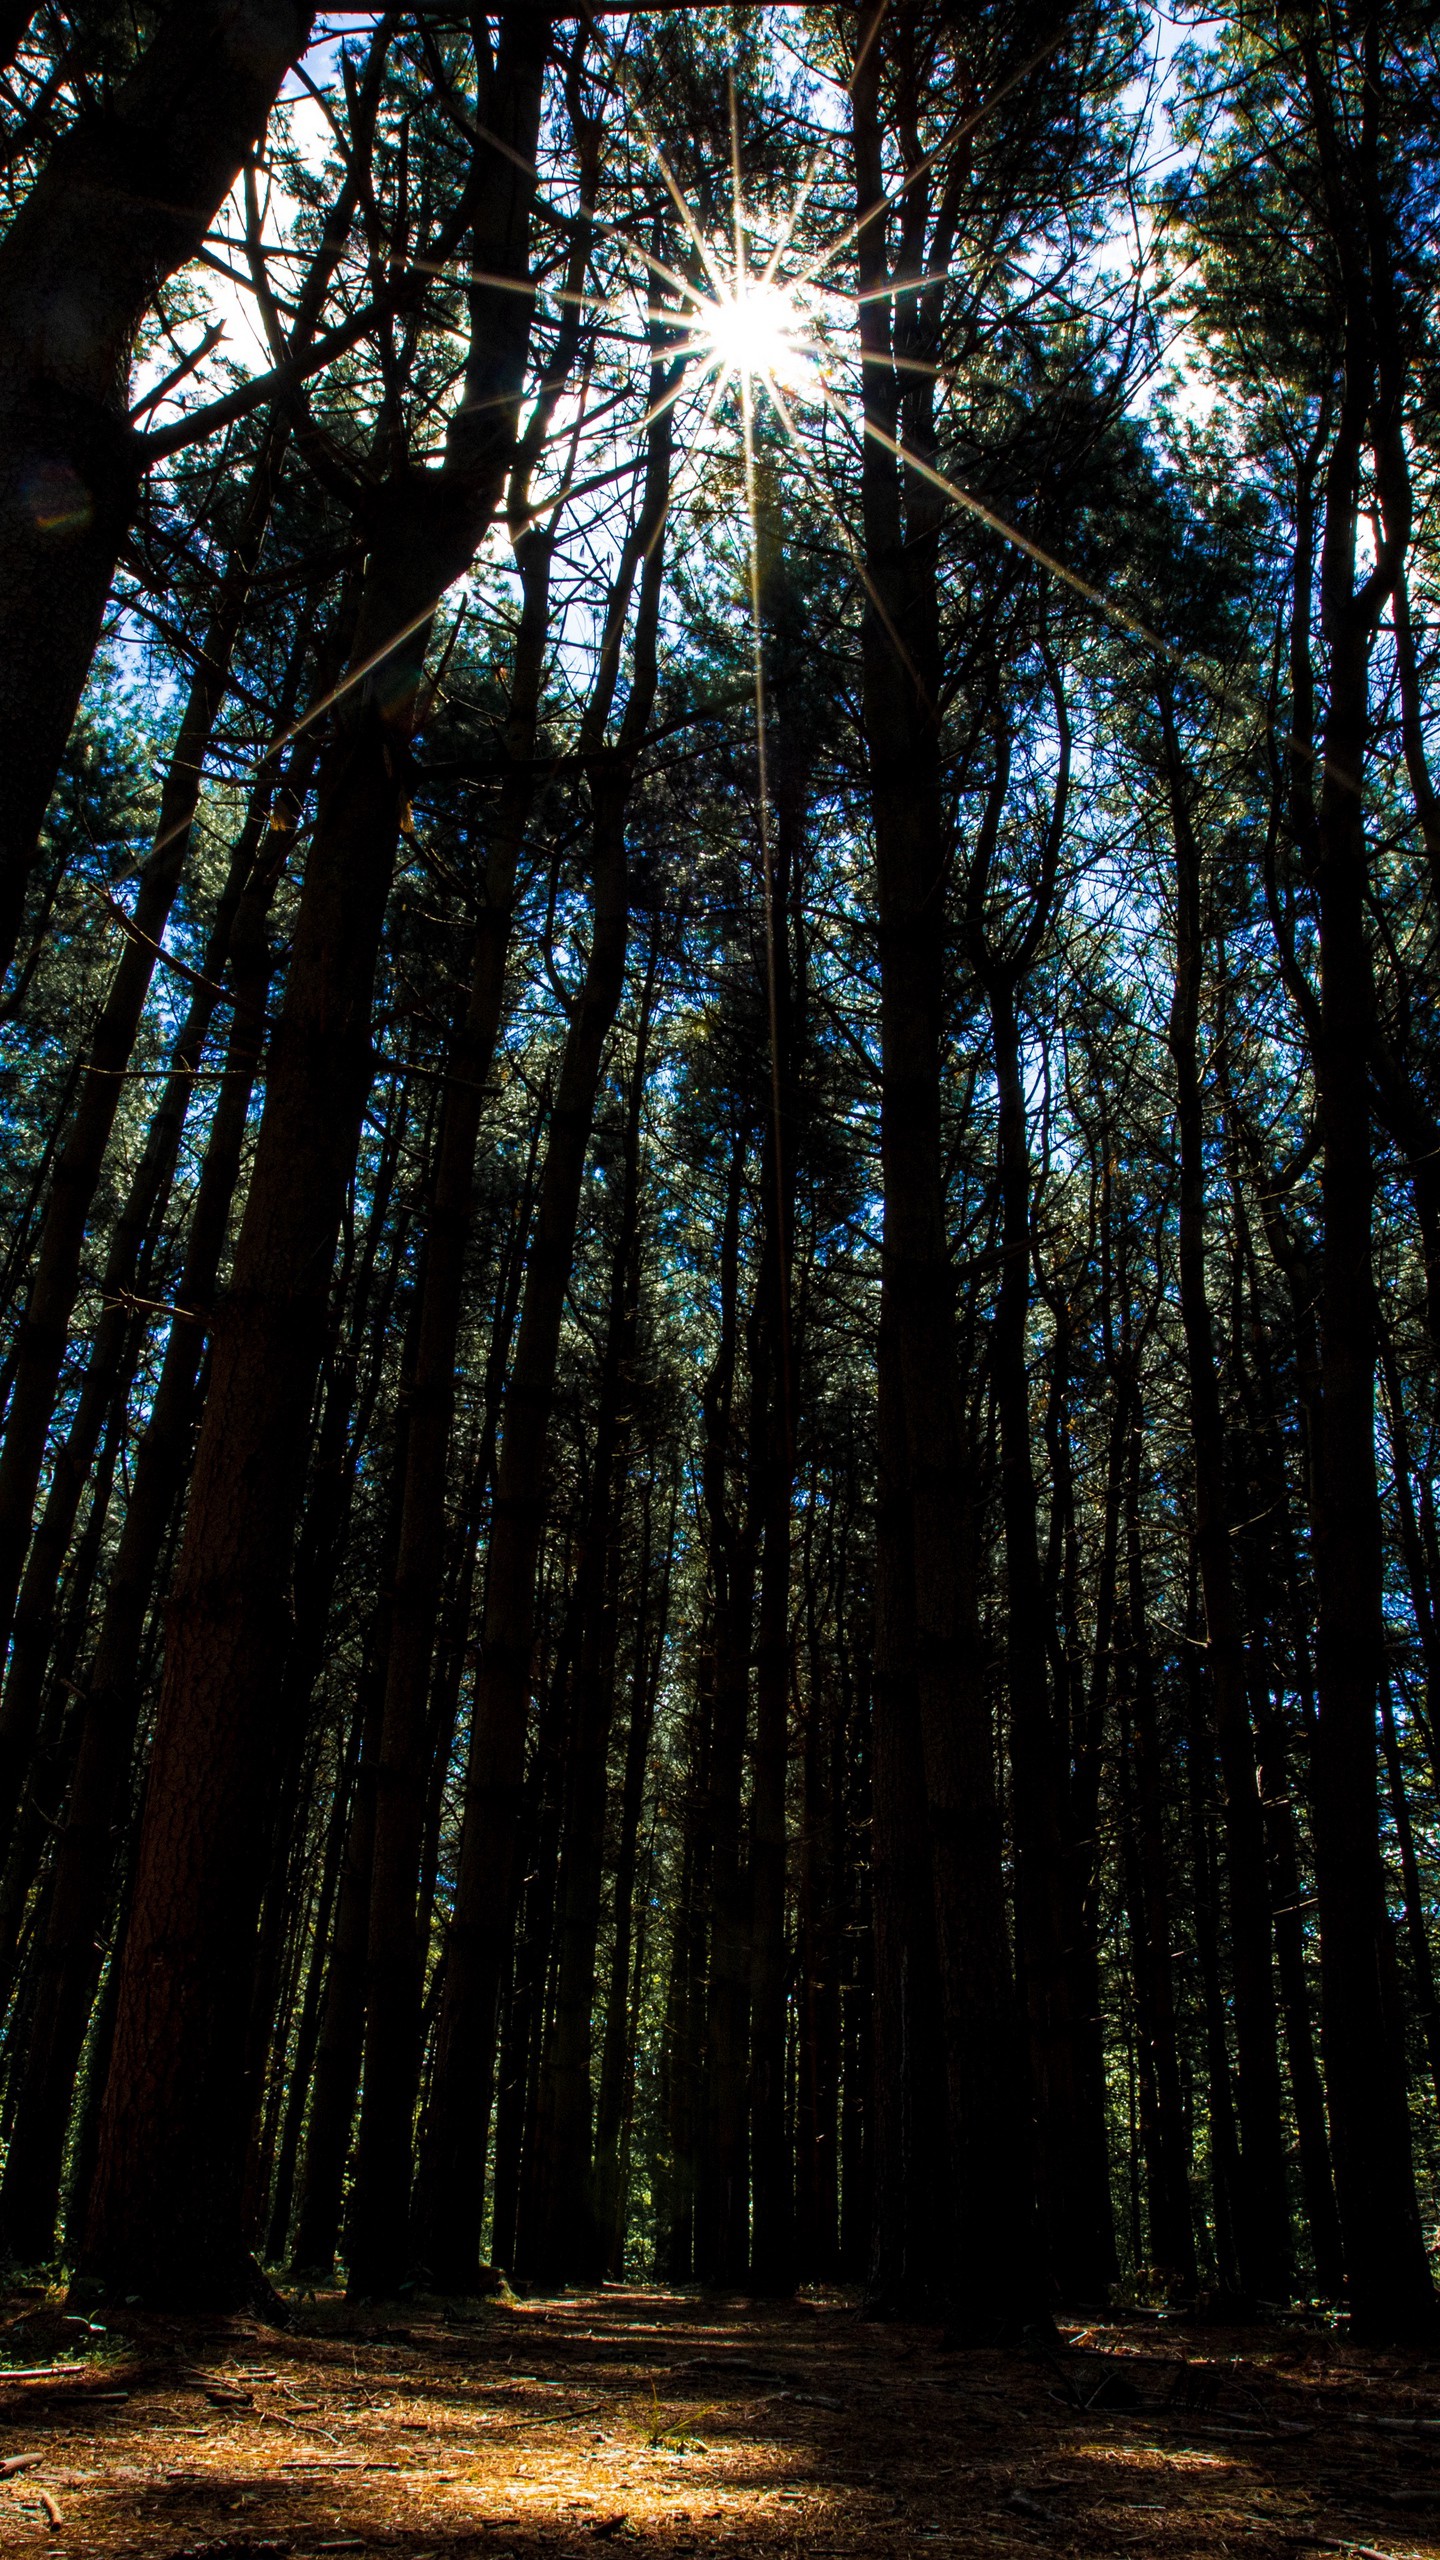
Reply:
x=677, y=2425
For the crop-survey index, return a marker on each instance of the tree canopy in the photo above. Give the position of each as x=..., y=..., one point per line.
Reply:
x=720, y=1214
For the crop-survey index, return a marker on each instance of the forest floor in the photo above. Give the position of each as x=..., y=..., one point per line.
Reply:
x=548, y=2430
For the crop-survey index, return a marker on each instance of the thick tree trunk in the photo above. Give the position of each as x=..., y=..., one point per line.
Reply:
x=70, y=1956
x=1388, y=2277
x=932, y=1689
x=165, y=2216
x=119, y=1335
x=1387, y=2273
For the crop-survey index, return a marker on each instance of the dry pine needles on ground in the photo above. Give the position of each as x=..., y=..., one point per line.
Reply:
x=680, y=2426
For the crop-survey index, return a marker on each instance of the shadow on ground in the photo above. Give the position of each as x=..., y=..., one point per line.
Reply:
x=667, y=2424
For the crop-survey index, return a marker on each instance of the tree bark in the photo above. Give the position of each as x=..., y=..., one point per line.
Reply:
x=41, y=1344
x=932, y=1691
x=1262, y=2213
x=69, y=1960
x=125, y=199
x=454, y=2140
x=1162, y=2111
x=617, y=2061
x=1049, y=1926
x=1387, y=2273
x=566, y=2241
x=120, y=1332
x=380, y=2208
x=721, y=2206
x=165, y=2213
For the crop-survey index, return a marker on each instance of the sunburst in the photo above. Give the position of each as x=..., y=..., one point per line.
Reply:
x=754, y=329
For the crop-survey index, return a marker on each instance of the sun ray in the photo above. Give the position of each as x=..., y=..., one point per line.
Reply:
x=958, y=133
x=848, y=542
x=1119, y=614
x=751, y=325
x=792, y=219
x=762, y=772
x=698, y=240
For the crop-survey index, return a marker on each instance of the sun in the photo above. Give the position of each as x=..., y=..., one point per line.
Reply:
x=753, y=328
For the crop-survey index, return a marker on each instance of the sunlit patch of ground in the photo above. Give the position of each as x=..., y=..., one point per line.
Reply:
x=669, y=2425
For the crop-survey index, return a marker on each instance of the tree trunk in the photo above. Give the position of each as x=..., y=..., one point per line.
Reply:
x=165, y=2215
x=821, y=1866
x=681, y=2062
x=1387, y=2273
x=566, y=2243
x=454, y=2142
x=298, y=2079
x=342, y=2025
x=1422, y=1964
x=930, y=1690
x=380, y=2210
x=617, y=2061
x=1049, y=1929
x=69, y=1960
x=1162, y=2110
x=1273, y=1578
x=1262, y=2211
x=120, y=1332
x=721, y=2209
x=126, y=198
x=41, y=1345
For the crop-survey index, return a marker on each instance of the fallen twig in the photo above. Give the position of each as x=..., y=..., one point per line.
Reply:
x=1331, y=2542
x=1390, y=2426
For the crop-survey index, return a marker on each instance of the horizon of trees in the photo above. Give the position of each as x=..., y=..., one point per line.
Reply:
x=720, y=1223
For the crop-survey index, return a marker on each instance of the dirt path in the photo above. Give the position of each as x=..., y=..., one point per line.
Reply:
x=672, y=2425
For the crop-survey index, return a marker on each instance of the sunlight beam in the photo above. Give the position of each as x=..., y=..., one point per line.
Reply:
x=748, y=304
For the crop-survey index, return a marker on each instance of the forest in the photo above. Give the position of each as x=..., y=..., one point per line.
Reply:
x=720, y=1196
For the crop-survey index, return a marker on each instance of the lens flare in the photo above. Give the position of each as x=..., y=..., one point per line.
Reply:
x=754, y=328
